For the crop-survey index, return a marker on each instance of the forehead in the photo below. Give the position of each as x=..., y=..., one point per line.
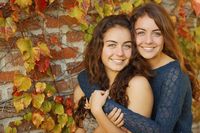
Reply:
x=117, y=33
x=146, y=22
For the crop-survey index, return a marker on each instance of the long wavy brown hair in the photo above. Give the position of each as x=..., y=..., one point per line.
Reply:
x=171, y=46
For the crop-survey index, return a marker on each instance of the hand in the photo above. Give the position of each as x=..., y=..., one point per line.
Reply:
x=116, y=116
x=97, y=100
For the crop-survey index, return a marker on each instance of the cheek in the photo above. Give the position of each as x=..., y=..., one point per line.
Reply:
x=128, y=53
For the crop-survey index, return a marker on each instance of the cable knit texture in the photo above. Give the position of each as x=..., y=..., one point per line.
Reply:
x=172, y=102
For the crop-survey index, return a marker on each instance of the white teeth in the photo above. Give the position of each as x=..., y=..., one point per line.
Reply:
x=148, y=49
x=117, y=61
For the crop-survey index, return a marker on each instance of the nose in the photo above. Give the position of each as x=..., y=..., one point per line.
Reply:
x=120, y=51
x=148, y=39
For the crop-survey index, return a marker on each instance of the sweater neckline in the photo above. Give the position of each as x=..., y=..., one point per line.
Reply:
x=168, y=65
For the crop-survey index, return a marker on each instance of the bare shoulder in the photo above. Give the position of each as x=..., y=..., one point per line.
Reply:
x=78, y=93
x=139, y=81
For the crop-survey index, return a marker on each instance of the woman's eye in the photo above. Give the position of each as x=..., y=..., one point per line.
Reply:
x=141, y=33
x=111, y=45
x=127, y=46
x=156, y=34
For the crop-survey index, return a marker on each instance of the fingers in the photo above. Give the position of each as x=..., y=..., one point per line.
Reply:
x=116, y=116
x=87, y=104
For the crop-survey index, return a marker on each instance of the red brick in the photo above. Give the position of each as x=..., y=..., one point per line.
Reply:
x=64, y=53
x=16, y=59
x=65, y=85
x=75, y=67
x=6, y=76
x=56, y=70
x=29, y=24
x=74, y=36
x=53, y=22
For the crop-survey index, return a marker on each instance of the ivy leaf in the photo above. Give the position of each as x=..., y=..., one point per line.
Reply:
x=84, y=4
x=62, y=119
x=7, y=27
x=158, y=1
x=40, y=87
x=108, y=9
x=48, y=124
x=57, y=129
x=46, y=106
x=37, y=119
x=126, y=7
x=17, y=122
x=29, y=54
x=23, y=3
x=21, y=82
x=50, y=90
x=197, y=34
x=44, y=49
x=38, y=99
x=58, y=109
x=22, y=101
x=10, y=130
x=40, y=5
x=196, y=6
x=79, y=14
x=99, y=9
x=28, y=116
x=137, y=3
x=70, y=120
x=43, y=64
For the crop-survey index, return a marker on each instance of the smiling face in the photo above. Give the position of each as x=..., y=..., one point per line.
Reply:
x=117, y=49
x=149, y=39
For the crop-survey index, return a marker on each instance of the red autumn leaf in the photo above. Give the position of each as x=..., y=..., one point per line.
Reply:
x=68, y=102
x=196, y=6
x=69, y=111
x=12, y=1
x=43, y=64
x=58, y=99
x=40, y=5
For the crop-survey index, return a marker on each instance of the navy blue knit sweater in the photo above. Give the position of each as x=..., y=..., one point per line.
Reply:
x=172, y=102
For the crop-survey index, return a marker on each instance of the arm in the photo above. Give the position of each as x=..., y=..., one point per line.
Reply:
x=140, y=96
x=97, y=100
x=162, y=124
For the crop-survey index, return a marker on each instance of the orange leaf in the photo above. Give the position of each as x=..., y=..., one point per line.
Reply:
x=48, y=124
x=43, y=64
x=196, y=6
x=37, y=119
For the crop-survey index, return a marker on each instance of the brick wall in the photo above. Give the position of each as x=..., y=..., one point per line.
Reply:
x=62, y=35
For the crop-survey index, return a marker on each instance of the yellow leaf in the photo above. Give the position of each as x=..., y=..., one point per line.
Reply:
x=126, y=7
x=21, y=102
x=44, y=50
x=10, y=130
x=21, y=82
x=37, y=119
x=62, y=119
x=108, y=9
x=38, y=99
x=25, y=47
x=158, y=1
x=51, y=1
x=137, y=3
x=79, y=14
x=99, y=9
x=48, y=124
x=58, y=109
x=57, y=129
x=23, y=3
x=40, y=87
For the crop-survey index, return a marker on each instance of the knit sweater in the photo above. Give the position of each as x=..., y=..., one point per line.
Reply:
x=172, y=102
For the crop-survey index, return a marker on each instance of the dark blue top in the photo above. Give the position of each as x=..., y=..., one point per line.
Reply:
x=172, y=102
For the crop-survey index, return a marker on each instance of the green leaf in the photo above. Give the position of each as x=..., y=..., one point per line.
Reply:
x=46, y=106
x=126, y=7
x=10, y=130
x=57, y=129
x=58, y=109
x=70, y=120
x=38, y=99
x=137, y=3
x=99, y=9
x=62, y=119
x=28, y=116
x=50, y=90
x=197, y=34
x=108, y=9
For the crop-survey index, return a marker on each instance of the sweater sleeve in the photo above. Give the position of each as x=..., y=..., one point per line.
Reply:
x=169, y=108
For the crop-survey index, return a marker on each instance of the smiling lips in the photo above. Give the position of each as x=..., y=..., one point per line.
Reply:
x=148, y=49
x=117, y=61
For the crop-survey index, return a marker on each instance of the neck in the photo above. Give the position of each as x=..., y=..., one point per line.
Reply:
x=111, y=76
x=160, y=60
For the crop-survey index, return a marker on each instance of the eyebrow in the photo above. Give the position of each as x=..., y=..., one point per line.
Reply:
x=117, y=42
x=144, y=29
